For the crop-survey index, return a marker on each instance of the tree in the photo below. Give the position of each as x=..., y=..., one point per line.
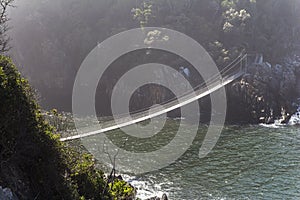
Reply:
x=4, y=38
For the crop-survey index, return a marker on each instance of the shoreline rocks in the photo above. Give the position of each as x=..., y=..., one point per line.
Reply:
x=266, y=93
x=164, y=197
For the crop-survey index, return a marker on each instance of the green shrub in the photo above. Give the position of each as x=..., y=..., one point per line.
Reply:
x=33, y=162
x=120, y=189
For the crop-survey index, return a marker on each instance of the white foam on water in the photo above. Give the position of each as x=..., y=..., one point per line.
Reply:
x=295, y=119
x=276, y=124
x=145, y=189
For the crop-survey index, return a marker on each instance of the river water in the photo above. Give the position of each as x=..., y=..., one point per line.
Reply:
x=252, y=162
x=248, y=162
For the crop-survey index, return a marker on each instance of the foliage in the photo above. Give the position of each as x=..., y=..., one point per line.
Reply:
x=4, y=39
x=34, y=163
x=119, y=189
x=143, y=13
x=62, y=122
x=68, y=31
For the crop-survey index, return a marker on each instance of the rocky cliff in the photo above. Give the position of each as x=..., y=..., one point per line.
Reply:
x=266, y=92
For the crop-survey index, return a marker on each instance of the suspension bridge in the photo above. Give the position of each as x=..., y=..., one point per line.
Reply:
x=231, y=72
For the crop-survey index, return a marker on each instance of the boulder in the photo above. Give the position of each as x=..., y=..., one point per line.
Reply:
x=7, y=194
x=164, y=197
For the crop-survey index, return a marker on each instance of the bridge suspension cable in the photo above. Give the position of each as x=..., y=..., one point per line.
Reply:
x=226, y=76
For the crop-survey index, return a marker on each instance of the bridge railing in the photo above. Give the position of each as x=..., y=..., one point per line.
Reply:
x=236, y=68
x=238, y=65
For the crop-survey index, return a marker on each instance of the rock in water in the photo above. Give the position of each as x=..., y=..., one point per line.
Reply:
x=164, y=197
x=295, y=119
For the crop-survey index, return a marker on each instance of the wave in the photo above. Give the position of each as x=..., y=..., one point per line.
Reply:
x=295, y=119
x=145, y=189
x=276, y=124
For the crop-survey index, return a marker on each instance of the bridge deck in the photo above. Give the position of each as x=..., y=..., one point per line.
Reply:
x=228, y=74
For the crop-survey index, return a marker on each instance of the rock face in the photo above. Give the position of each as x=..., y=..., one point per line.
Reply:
x=266, y=92
x=6, y=194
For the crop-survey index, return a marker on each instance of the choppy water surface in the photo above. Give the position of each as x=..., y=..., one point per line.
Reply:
x=248, y=162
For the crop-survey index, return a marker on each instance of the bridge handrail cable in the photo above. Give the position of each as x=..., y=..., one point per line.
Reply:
x=173, y=101
x=203, y=84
